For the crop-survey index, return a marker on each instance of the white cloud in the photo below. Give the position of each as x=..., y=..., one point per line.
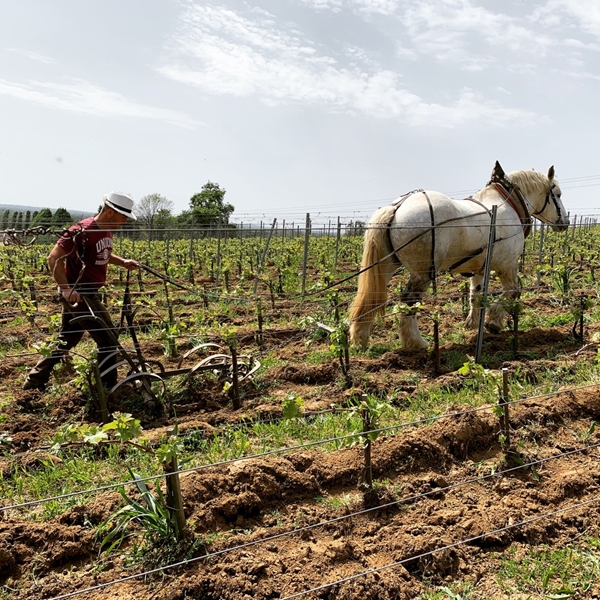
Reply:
x=382, y=7
x=333, y=5
x=586, y=14
x=457, y=31
x=222, y=52
x=86, y=98
x=47, y=60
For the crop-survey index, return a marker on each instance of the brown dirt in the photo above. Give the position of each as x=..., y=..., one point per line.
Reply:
x=451, y=505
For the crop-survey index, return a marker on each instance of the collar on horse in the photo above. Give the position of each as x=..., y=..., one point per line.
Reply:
x=512, y=193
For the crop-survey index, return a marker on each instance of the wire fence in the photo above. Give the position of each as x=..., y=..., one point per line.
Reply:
x=440, y=299
x=355, y=514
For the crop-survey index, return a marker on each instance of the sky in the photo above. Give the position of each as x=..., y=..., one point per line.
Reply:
x=331, y=107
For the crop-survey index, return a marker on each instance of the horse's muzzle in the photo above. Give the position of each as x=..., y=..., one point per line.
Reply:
x=560, y=226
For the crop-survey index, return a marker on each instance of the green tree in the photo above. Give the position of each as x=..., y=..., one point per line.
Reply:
x=183, y=219
x=44, y=217
x=27, y=220
x=62, y=218
x=209, y=206
x=5, y=219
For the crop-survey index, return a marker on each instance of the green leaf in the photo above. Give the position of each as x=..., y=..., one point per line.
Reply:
x=95, y=435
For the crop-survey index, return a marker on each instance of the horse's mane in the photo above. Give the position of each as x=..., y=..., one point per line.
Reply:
x=529, y=181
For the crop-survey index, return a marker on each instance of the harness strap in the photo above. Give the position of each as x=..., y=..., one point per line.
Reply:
x=517, y=202
x=467, y=258
x=433, y=228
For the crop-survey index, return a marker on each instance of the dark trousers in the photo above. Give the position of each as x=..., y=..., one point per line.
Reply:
x=102, y=331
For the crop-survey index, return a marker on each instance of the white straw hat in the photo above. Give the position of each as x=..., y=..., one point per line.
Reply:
x=120, y=202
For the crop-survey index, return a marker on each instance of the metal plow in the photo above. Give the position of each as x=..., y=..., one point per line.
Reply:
x=148, y=376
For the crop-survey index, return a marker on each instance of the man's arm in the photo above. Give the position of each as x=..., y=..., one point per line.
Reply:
x=56, y=262
x=127, y=263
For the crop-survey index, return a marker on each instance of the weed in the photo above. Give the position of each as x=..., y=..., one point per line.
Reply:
x=150, y=512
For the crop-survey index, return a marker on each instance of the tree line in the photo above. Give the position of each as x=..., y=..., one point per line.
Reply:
x=21, y=220
x=207, y=208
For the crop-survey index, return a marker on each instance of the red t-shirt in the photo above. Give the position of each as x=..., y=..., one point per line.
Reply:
x=87, y=244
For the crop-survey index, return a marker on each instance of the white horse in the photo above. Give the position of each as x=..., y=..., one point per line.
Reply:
x=427, y=232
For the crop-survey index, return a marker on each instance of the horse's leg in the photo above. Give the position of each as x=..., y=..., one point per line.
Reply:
x=409, y=329
x=370, y=301
x=496, y=315
x=472, y=321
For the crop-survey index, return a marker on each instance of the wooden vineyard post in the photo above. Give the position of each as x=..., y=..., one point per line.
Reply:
x=436, y=345
x=174, y=497
x=515, y=316
x=263, y=256
x=367, y=474
x=465, y=299
x=337, y=243
x=503, y=404
x=100, y=393
x=235, y=385
x=436, y=330
x=140, y=282
x=259, y=311
x=305, y=256
x=540, y=251
x=191, y=250
x=579, y=319
x=344, y=352
x=217, y=272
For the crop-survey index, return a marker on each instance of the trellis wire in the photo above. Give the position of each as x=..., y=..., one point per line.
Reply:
x=298, y=447
x=342, y=518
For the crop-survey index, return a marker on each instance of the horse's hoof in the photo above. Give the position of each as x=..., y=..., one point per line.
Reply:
x=493, y=328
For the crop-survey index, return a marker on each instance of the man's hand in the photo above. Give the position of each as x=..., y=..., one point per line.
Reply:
x=130, y=264
x=70, y=295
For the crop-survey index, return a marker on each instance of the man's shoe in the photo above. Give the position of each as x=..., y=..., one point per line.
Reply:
x=30, y=384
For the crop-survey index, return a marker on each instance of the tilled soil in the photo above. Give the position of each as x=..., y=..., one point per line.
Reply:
x=452, y=504
x=449, y=502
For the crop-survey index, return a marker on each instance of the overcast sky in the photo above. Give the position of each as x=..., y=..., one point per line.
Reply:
x=332, y=107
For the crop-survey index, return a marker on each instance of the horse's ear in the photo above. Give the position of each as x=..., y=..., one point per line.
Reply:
x=551, y=173
x=497, y=172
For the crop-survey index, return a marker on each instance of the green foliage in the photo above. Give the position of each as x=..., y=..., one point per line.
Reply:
x=564, y=573
x=371, y=409
x=46, y=348
x=44, y=218
x=62, y=218
x=209, y=207
x=150, y=512
x=122, y=430
x=172, y=448
x=407, y=309
x=293, y=406
x=124, y=427
x=476, y=375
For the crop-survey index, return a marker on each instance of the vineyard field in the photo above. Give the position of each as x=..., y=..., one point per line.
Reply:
x=343, y=473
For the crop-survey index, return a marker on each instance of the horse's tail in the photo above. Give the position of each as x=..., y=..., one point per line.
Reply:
x=375, y=273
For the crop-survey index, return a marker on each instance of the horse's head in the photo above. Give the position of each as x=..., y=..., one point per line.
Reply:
x=553, y=211
x=543, y=196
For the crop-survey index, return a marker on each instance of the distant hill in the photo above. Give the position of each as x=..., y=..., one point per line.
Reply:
x=76, y=214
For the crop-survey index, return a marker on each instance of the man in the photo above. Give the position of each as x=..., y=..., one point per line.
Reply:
x=78, y=263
